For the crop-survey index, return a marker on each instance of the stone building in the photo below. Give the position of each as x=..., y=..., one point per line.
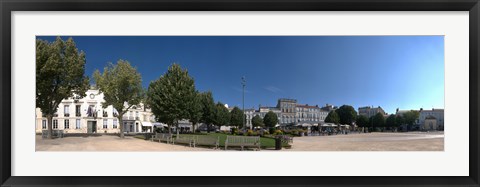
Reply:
x=86, y=115
x=368, y=111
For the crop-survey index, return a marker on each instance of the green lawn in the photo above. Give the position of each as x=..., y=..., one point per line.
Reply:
x=265, y=143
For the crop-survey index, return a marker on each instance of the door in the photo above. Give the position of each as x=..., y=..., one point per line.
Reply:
x=91, y=127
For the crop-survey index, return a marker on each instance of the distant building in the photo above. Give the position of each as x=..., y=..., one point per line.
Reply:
x=328, y=108
x=368, y=111
x=427, y=117
x=86, y=115
x=305, y=113
x=288, y=110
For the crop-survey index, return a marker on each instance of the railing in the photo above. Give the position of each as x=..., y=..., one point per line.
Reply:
x=66, y=115
x=137, y=118
x=78, y=114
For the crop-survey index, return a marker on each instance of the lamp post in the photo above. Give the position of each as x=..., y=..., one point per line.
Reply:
x=243, y=100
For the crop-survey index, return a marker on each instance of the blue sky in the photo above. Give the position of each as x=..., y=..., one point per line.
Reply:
x=405, y=72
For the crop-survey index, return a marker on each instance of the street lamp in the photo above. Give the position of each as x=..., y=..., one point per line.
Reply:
x=243, y=100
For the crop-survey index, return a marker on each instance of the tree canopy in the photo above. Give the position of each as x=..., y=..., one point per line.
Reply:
x=236, y=117
x=208, y=109
x=222, y=116
x=332, y=117
x=411, y=117
x=270, y=119
x=172, y=96
x=60, y=74
x=121, y=85
x=257, y=121
x=378, y=120
x=196, y=110
x=346, y=114
x=399, y=120
x=362, y=121
x=390, y=121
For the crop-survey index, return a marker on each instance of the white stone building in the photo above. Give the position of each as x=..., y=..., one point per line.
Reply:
x=86, y=115
x=436, y=115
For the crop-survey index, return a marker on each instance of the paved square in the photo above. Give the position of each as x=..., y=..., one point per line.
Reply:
x=413, y=141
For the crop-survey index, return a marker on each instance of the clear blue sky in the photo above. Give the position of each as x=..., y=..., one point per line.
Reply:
x=405, y=72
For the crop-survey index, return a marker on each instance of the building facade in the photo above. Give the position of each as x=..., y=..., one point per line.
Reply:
x=290, y=112
x=86, y=115
x=370, y=111
x=436, y=115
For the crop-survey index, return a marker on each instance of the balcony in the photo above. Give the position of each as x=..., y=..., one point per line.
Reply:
x=137, y=118
x=66, y=115
x=78, y=114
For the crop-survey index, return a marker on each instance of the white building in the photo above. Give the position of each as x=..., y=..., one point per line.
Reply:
x=435, y=118
x=86, y=115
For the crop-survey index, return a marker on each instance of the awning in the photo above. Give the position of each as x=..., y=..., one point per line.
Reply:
x=146, y=124
x=159, y=124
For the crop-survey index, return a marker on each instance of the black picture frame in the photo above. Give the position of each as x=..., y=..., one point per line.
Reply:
x=7, y=6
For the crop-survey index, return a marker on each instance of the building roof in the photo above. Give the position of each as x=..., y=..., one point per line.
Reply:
x=306, y=106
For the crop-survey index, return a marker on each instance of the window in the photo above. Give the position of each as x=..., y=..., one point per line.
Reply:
x=55, y=124
x=66, y=124
x=66, y=110
x=77, y=124
x=77, y=110
x=114, y=123
x=105, y=125
x=105, y=114
x=44, y=124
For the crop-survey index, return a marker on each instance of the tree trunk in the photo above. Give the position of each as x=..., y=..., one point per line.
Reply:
x=49, y=126
x=208, y=128
x=193, y=128
x=168, y=126
x=176, y=127
x=120, y=120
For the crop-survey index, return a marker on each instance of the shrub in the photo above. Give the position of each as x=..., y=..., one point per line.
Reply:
x=278, y=132
x=250, y=133
x=271, y=130
x=234, y=131
x=294, y=132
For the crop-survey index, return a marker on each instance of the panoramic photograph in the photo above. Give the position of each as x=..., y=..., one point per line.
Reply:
x=239, y=93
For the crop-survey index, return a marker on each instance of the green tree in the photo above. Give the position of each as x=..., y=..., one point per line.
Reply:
x=410, y=118
x=378, y=120
x=270, y=119
x=362, y=121
x=332, y=117
x=196, y=110
x=399, y=121
x=222, y=116
x=390, y=121
x=257, y=121
x=346, y=114
x=172, y=96
x=208, y=109
x=60, y=74
x=236, y=117
x=121, y=85
x=371, y=123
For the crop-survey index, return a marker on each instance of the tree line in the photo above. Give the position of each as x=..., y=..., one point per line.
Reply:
x=347, y=115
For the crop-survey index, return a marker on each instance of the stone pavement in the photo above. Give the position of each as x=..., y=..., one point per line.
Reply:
x=416, y=141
